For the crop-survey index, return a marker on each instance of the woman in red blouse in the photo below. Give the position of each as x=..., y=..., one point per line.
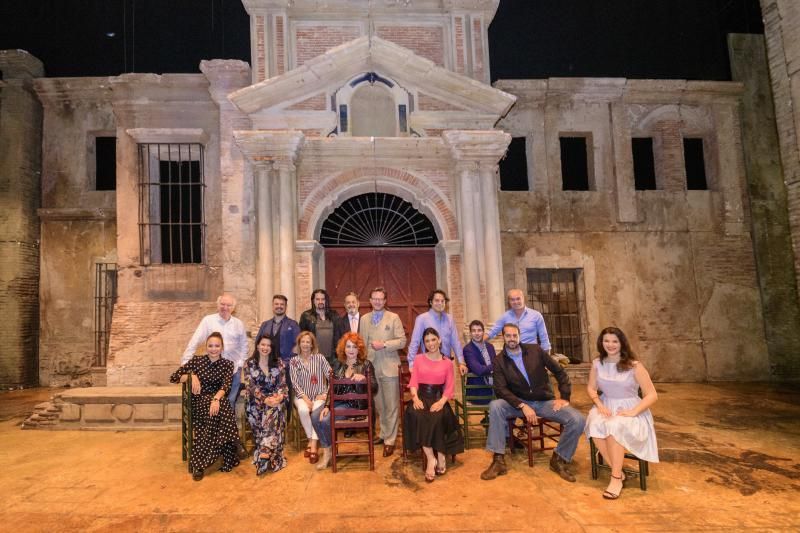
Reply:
x=429, y=420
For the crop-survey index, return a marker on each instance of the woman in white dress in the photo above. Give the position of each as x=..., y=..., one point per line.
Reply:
x=620, y=420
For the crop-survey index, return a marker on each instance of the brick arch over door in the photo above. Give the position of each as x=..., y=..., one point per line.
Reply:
x=333, y=190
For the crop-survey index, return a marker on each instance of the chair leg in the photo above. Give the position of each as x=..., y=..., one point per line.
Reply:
x=593, y=452
x=529, y=430
x=643, y=473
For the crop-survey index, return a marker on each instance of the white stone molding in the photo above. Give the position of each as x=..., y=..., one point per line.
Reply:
x=168, y=135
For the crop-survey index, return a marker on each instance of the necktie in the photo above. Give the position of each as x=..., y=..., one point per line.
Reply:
x=353, y=324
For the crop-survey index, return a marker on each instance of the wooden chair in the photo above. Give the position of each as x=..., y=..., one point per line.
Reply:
x=357, y=419
x=474, y=401
x=294, y=429
x=541, y=432
x=641, y=473
x=404, y=377
x=187, y=429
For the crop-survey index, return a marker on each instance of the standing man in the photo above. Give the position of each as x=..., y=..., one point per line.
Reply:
x=349, y=321
x=281, y=329
x=437, y=319
x=523, y=389
x=530, y=321
x=323, y=322
x=384, y=336
x=234, y=340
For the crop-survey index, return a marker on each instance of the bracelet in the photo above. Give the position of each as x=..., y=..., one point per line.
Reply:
x=214, y=399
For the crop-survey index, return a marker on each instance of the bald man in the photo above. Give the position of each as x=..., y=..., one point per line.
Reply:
x=530, y=321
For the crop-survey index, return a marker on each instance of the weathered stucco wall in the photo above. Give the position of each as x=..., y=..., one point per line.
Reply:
x=673, y=268
x=77, y=225
x=20, y=164
x=768, y=205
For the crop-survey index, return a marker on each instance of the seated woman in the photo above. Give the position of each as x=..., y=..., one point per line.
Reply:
x=351, y=363
x=215, y=431
x=309, y=372
x=267, y=396
x=620, y=420
x=479, y=356
x=429, y=421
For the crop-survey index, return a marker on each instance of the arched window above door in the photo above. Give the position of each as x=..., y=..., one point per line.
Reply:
x=371, y=105
x=377, y=219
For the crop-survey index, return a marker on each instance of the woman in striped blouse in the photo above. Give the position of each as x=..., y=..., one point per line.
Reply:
x=309, y=371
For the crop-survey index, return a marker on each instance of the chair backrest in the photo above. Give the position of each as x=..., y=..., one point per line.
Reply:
x=365, y=396
x=187, y=427
x=476, y=392
x=403, y=378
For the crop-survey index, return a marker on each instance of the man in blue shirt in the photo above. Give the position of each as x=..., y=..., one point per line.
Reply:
x=530, y=321
x=437, y=319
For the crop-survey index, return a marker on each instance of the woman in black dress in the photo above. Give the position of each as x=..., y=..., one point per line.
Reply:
x=429, y=421
x=215, y=431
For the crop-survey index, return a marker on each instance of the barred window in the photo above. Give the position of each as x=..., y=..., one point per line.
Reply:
x=171, y=190
x=558, y=295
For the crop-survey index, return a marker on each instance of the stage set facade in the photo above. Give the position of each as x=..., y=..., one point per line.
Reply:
x=361, y=147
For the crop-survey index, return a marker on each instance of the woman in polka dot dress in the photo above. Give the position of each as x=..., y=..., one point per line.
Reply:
x=215, y=431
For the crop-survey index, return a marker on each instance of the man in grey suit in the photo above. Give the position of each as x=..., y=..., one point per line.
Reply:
x=384, y=336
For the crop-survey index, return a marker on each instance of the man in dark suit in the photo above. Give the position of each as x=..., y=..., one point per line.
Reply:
x=479, y=356
x=281, y=329
x=523, y=389
x=349, y=321
x=323, y=322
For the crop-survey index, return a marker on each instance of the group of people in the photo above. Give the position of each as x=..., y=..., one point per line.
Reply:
x=293, y=362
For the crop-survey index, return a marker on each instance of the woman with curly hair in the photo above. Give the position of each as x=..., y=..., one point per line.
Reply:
x=351, y=363
x=620, y=420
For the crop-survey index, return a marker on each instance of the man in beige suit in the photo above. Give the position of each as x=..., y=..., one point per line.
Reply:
x=384, y=336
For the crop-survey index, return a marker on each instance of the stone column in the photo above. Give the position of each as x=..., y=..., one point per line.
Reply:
x=278, y=149
x=470, y=217
x=475, y=155
x=491, y=239
x=623, y=164
x=287, y=230
x=265, y=274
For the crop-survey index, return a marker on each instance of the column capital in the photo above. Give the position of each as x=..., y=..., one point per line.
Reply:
x=224, y=77
x=270, y=147
x=485, y=147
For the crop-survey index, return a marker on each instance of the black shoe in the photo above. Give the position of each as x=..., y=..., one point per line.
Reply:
x=559, y=466
x=197, y=474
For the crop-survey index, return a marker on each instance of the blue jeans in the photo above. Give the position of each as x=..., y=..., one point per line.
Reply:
x=323, y=427
x=236, y=383
x=571, y=420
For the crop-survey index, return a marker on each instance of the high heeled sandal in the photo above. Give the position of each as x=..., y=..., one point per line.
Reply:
x=608, y=495
x=307, y=453
x=440, y=471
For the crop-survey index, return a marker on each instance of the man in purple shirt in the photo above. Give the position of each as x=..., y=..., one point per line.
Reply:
x=437, y=319
x=530, y=321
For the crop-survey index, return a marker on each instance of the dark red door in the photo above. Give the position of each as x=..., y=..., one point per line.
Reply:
x=407, y=274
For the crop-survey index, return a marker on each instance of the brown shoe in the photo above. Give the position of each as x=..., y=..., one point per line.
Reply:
x=559, y=466
x=497, y=468
x=388, y=449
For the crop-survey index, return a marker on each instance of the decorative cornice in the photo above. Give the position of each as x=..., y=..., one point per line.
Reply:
x=364, y=8
x=264, y=146
x=75, y=91
x=474, y=145
x=168, y=135
x=533, y=93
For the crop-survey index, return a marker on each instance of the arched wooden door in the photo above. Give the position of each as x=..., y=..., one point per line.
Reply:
x=407, y=274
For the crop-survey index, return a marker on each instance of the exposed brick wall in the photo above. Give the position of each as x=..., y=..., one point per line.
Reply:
x=478, y=60
x=261, y=50
x=429, y=103
x=782, y=32
x=280, y=45
x=456, y=293
x=668, y=147
x=458, y=35
x=425, y=41
x=315, y=103
x=314, y=190
x=313, y=41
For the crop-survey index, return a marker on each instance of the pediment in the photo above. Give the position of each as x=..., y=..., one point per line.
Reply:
x=441, y=92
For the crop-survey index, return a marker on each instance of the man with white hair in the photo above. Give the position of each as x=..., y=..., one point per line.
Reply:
x=234, y=342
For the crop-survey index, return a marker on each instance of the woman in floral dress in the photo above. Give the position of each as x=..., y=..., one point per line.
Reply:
x=267, y=396
x=215, y=431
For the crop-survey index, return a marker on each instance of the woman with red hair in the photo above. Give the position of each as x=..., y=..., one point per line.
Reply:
x=351, y=363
